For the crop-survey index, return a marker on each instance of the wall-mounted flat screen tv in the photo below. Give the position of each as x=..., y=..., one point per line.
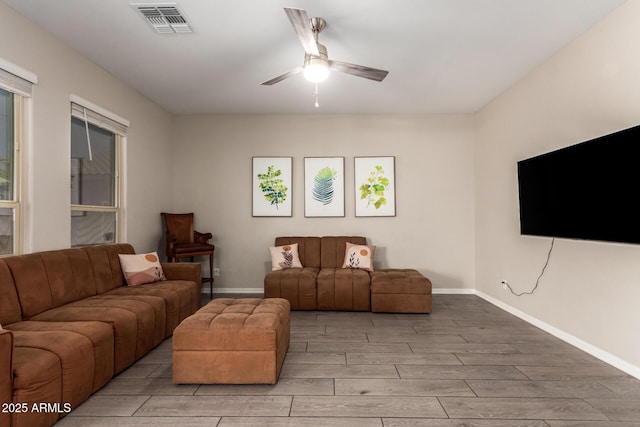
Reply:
x=586, y=191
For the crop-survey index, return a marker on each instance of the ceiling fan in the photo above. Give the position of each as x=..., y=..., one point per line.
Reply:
x=316, y=60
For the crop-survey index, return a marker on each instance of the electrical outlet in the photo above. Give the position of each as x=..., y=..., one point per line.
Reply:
x=504, y=284
x=216, y=272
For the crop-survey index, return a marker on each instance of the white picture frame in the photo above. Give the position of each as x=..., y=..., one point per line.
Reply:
x=375, y=186
x=272, y=191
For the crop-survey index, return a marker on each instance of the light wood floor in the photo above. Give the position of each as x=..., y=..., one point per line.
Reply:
x=468, y=363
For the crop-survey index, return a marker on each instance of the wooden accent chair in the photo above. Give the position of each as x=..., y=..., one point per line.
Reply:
x=184, y=242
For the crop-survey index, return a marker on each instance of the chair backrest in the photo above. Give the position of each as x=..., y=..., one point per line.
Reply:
x=179, y=227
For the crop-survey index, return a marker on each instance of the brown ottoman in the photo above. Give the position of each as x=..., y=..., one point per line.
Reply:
x=400, y=291
x=232, y=341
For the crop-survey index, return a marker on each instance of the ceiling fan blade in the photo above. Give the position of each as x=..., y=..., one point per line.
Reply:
x=283, y=76
x=300, y=21
x=359, y=70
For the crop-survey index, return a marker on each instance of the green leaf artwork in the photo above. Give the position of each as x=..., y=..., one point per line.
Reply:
x=275, y=192
x=373, y=190
x=323, y=185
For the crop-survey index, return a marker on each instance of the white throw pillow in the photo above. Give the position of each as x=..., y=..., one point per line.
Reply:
x=359, y=256
x=285, y=256
x=139, y=269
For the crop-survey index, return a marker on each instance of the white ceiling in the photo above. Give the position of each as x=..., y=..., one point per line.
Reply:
x=443, y=56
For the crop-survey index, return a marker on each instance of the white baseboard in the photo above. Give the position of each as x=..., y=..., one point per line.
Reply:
x=566, y=337
x=459, y=291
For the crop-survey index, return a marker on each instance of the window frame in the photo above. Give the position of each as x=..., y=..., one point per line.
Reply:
x=16, y=203
x=97, y=118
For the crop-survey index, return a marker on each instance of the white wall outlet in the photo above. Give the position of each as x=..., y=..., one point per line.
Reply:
x=216, y=272
x=504, y=284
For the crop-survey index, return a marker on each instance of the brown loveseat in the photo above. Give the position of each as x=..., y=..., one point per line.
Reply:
x=322, y=283
x=71, y=323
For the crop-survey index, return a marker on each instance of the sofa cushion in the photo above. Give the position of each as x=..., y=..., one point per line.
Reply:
x=66, y=276
x=75, y=353
x=99, y=333
x=30, y=275
x=343, y=289
x=359, y=256
x=106, y=265
x=9, y=305
x=70, y=275
x=182, y=298
x=151, y=329
x=285, y=256
x=308, y=249
x=297, y=285
x=185, y=275
x=333, y=249
x=139, y=269
x=37, y=377
x=6, y=389
x=136, y=330
x=398, y=290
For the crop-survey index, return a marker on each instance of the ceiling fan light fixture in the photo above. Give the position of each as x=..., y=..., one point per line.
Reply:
x=316, y=68
x=316, y=71
x=316, y=59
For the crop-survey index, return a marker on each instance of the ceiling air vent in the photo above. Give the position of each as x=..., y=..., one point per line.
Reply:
x=165, y=18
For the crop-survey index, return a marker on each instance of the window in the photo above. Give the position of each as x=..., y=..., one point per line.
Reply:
x=15, y=87
x=9, y=206
x=96, y=209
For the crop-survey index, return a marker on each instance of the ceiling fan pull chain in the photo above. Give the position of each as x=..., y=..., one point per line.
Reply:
x=316, y=93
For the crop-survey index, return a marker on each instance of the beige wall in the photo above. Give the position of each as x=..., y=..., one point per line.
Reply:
x=590, y=290
x=434, y=227
x=61, y=72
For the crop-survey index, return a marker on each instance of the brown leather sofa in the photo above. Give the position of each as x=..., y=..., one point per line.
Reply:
x=71, y=324
x=322, y=283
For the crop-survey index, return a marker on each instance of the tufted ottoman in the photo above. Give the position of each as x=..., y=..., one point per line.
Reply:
x=232, y=341
x=400, y=291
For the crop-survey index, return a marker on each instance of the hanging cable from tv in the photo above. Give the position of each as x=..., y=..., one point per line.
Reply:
x=519, y=294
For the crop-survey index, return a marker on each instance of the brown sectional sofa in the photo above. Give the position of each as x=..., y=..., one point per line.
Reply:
x=322, y=284
x=400, y=290
x=71, y=323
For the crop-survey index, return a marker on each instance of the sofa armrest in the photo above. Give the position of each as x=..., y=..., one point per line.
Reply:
x=6, y=373
x=190, y=271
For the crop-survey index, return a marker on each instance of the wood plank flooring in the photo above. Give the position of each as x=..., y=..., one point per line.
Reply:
x=468, y=363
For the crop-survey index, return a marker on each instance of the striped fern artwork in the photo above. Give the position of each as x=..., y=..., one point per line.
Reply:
x=323, y=185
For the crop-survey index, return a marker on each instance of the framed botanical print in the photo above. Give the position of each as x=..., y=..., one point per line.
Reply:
x=324, y=186
x=375, y=186
x=271, y=186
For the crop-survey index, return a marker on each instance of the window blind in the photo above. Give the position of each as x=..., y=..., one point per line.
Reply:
x=113, y=124
x=14, y=83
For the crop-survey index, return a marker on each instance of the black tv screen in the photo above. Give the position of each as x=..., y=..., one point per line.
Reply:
x=586, y=191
